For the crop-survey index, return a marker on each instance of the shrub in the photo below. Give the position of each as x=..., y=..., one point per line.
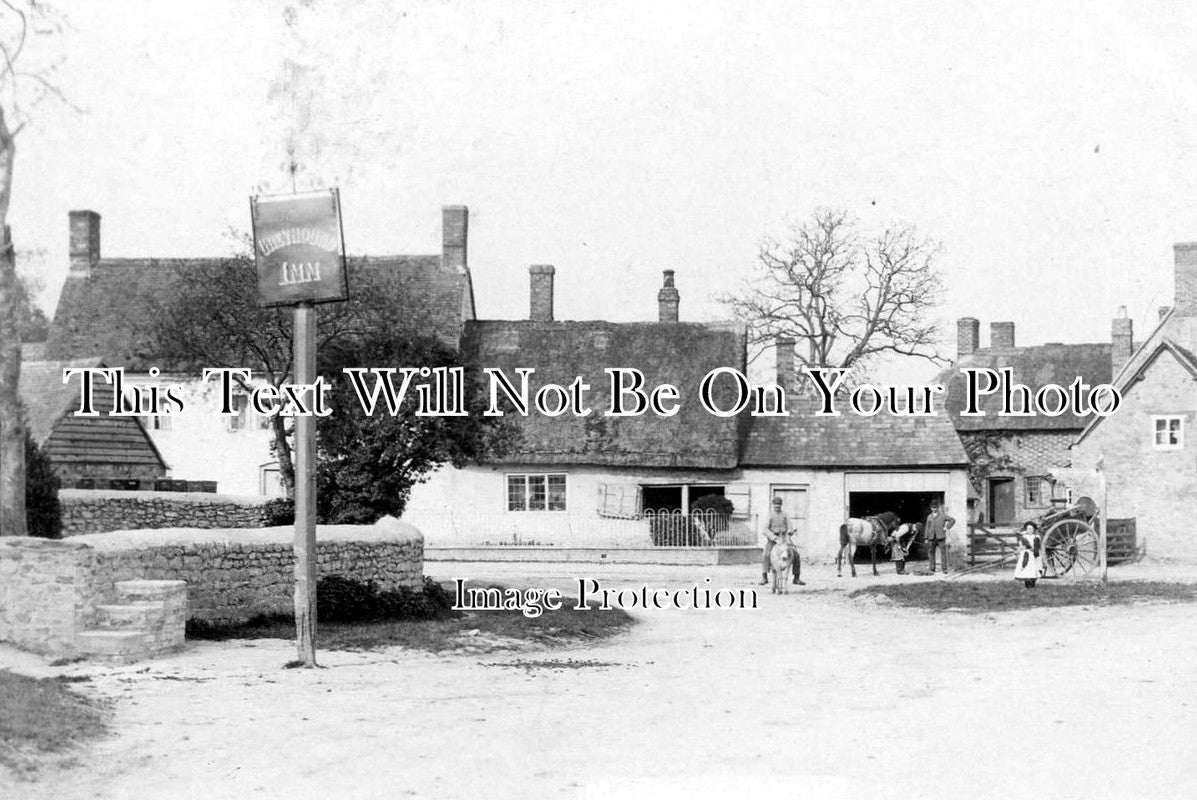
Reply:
x=279, y=511
x=43, y=514
x=340, y=599
x=714, y=502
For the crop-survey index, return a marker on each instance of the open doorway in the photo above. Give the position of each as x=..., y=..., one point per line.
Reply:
x=909, y=506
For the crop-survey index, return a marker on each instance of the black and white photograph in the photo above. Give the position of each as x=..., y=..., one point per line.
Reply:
x=526, y=398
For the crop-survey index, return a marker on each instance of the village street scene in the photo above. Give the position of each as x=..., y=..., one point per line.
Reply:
x=597, y=400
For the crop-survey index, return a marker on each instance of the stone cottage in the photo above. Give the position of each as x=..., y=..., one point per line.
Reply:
x=1147, y=448
x=1012, y=457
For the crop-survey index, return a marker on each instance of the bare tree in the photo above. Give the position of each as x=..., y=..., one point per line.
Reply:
x=845, y=296
x=21, y=90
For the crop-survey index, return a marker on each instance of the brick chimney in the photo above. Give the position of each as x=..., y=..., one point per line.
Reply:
x=455, y=232
x=1122, y=339
x=785, y=362
x=1001, y=335
x=667, y=300
x=968, y=337
x=1185, y=300
x=84, y=242
x=542, y=292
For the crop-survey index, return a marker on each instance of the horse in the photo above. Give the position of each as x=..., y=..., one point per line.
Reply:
x=870, y=531
x=780, y=561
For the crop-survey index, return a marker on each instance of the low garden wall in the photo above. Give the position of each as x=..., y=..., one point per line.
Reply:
x=100, y=510
x=233, y=575
x=50, y=589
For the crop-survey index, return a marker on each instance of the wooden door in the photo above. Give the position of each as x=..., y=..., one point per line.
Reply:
x=1001, y=501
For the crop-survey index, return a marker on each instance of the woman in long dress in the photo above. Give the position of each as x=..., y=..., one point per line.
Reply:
x=1028, y=564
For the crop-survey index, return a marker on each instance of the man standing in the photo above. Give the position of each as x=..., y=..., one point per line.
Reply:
x=779, y=524
x=936, y=531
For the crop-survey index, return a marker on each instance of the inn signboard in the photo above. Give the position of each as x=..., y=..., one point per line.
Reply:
x=299, y=248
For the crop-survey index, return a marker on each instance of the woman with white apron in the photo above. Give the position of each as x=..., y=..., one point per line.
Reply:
x=1028, y=564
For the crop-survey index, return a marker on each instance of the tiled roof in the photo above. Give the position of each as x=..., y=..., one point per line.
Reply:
x=803, y=439
x=72, y=440
x=1034, y=367
x=676, y=353
x=109, y=314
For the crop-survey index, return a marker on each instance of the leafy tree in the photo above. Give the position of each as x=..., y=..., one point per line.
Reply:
x=844, y=295
x=213, y=320
x=368, y=465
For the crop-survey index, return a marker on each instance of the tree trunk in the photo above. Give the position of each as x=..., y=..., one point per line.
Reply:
x=12, y=426
x=282, y=451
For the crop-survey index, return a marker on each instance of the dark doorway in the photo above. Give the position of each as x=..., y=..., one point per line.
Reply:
x=909, y=506
x=661, y=498
x=1001, y=501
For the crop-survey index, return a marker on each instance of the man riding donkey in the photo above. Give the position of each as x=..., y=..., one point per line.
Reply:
x=779, y=526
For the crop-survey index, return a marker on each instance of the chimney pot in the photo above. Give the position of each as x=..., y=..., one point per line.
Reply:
x=541, y=277
x=455, y=232
x=968, y=337
x=84, y=242
x=1163, y=312
x=667, y=300
x=1001, y=335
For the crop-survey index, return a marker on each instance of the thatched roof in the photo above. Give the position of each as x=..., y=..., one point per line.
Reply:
x=676, y=353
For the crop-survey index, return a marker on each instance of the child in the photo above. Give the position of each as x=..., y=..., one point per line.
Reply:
x=1028, y=564
x=897, y=553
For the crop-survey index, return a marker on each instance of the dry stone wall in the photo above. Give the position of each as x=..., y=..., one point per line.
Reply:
x=97, y=511
x=54, y=593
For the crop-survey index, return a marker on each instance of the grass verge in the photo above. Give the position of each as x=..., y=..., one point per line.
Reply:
x=41, y=717
x=1011, y=595
x=476, y=631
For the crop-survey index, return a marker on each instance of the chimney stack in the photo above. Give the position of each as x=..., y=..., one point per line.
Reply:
x=1122, y=338
x=455, y=232
x=785, y=362
x=1185, y=300
x=667, y=300
x=968, y=337
x=542, y=292
x=1001, y=335
x=84, y=242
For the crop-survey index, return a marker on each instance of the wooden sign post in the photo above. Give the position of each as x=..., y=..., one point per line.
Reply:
x=299, y=249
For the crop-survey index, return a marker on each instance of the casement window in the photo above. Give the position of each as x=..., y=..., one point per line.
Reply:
x=1168, y=433
x=1038, y=491
x=541, y=492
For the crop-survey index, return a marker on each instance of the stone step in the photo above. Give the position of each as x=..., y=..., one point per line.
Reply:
x=141, y=616
x=140, y=591
x=112, y=643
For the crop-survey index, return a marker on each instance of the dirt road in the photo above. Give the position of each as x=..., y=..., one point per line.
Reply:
x=811, y=694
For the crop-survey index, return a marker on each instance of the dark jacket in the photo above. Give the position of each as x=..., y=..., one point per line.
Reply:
x=937, y=526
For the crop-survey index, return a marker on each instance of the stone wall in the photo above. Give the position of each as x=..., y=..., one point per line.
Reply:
x=234, y=575
x=45, y=594
x=99, y=510
x=57, y=596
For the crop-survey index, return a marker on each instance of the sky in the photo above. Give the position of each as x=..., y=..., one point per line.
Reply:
x=1050, y=147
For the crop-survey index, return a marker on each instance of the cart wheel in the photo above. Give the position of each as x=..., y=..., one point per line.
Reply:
x=1070, y=547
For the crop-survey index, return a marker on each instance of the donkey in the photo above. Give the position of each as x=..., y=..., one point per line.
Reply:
x=780, y=561
x=869, y=532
